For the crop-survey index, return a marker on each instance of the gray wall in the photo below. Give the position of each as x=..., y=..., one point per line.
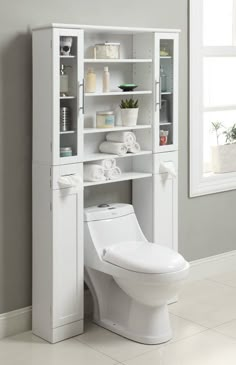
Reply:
x=205, y=224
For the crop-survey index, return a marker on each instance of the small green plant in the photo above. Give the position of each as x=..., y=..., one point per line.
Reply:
x=129, y=104
x=219, y=129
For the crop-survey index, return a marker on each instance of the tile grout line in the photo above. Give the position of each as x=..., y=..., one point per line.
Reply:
x=218, y=282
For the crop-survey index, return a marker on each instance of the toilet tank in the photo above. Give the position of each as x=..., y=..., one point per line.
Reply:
x=106, y=225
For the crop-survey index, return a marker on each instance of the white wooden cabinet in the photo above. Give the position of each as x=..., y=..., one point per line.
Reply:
x=148, y=58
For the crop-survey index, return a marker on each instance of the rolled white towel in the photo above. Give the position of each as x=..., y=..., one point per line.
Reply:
x=93, y=172
x=135, y=148
x=114, y=148
x=108, y=163
x=113, y=173
x=128, y=138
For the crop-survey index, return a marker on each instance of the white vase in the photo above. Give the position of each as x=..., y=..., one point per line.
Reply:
x=129, y=116
x=223, y=158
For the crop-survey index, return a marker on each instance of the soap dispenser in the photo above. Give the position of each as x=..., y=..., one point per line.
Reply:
x=64, y=81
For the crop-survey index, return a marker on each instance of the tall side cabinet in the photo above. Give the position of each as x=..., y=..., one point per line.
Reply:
x=148, y=58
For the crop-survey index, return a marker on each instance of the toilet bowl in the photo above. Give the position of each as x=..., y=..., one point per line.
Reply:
x=131, y=280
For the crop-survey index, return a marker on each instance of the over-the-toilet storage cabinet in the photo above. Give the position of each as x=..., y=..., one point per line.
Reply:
x=148, y=180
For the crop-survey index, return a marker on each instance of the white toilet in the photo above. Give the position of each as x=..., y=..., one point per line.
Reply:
x=131, y=279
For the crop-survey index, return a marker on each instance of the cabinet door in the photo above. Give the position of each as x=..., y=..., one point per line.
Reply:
x=69, y=97
x=165, y=136
x=165, y=210
x=67, y=256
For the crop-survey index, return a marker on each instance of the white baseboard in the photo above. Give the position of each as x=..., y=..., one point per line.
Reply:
x=15, y=322
x=20, y=320
x=213, y=265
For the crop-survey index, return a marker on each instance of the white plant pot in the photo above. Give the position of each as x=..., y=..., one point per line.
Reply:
x=223, y=158
x=129, y=116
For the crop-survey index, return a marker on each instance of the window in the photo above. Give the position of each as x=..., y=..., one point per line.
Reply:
x=212, y=90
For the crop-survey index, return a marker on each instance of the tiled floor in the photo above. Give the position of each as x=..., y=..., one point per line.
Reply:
x=204, y=326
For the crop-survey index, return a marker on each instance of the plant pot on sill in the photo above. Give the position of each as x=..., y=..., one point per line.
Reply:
x=129, y=116
x=223, y=158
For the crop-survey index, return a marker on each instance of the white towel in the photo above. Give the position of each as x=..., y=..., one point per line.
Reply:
x=94, y=172
x=113, y=148
x=128, y=138
x=113, y=173
x=135, y=148
x=108, y=163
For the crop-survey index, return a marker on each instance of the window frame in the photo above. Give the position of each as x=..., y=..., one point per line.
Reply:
x=201, y=184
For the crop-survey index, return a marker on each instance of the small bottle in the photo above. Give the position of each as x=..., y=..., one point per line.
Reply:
x=163, y=80
x=90, y=81
x=64, y=82
x=106, y=80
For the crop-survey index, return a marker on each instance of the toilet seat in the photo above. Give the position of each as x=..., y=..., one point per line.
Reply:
x=144, y=257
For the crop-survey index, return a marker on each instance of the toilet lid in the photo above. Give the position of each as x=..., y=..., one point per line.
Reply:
x=144, y=257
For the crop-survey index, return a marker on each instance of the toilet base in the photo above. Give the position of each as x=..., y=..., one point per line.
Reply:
x=146, y=340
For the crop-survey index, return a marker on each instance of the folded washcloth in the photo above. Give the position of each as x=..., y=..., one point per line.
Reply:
x=113, y=148
x=108, y=163
x=135, y=148
x=94, y=172
x=128, y=138
x=113, y=173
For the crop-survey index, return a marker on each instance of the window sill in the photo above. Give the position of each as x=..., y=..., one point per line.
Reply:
x=213, y=183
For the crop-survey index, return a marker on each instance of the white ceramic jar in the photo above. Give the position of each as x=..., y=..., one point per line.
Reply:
x=105, y=119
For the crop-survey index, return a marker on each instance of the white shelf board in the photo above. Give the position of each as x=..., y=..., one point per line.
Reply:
x=124, y=177
x=166, y=93
x=67, y=97
x=165, y=123
x=119, y=93
x=67, y=132
x=165, y=57
x=102, y=156
x=167, y=148
x=68, y=56
x=119, y=60
x=116, y=129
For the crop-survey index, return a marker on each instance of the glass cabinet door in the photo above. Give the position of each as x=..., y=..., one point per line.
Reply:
x=166, y=93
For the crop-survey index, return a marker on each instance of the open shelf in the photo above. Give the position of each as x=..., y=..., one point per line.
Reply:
x=120, y=60
x=113, y=93
x=166, y=93
x=116, y=129
x=102, y=156
x=165, y=57
x=124, y=177
x=165, y=123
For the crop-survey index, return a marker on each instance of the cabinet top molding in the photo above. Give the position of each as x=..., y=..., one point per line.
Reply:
x=98, y=28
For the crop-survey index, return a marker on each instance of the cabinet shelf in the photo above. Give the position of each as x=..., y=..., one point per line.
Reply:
x=114, y=93
x=165, y=57
x=69, y=56
x=102, y=156
x=120, y=60
x=67, y=132
x=67, y=97
x=124, y=177
x=165, y=123
x=116, y=129
x=166, y=93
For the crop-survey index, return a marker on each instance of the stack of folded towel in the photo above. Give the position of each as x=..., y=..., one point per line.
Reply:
x=119, y=143
x=102, y=170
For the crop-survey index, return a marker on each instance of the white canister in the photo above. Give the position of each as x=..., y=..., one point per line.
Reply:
x=105, y=119
x=107, y=50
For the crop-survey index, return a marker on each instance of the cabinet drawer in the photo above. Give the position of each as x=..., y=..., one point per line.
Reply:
x=160, y=160
x=64, y=171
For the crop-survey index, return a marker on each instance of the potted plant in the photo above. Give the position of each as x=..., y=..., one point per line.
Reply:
x=224, y=155
x=129, y=112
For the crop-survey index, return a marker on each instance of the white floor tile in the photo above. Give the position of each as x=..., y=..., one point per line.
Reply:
x=206, y=348
x=207, y=303
x=183, y=328
x=228, y=329
x=227, y=278
x=27, y=349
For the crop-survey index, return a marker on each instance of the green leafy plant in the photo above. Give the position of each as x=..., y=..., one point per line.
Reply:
x=219, y=129
x=129, y=104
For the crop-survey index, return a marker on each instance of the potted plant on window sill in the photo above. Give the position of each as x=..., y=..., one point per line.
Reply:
x=223, y=156
x=129, y=112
